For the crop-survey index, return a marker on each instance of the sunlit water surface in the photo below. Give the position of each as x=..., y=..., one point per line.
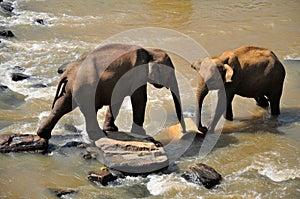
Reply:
x=258, y=156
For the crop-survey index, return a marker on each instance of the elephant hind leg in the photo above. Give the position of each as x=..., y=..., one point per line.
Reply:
x=111, y=114
x=262, y=101
x=62, y=106
x=275, y=102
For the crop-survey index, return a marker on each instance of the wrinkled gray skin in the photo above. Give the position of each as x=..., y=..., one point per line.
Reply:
x=89, y=82
x=246, y=71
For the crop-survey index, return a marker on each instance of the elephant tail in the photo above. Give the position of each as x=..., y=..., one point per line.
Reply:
x=60, y=89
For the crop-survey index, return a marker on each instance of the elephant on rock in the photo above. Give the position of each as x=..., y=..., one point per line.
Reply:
x=105, y=76
x=247, y=71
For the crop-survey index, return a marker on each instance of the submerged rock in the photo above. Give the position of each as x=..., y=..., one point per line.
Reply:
x=61, y=193
x=202, y=174
x=132, y=157
x=103, y=177
x=89, y=155
x=40, y=21
x=22, y=142
x=7, y=7
x=6, y=33
x=19, y=76
x=74, y=144
x=3, y=87
x=39, y=86
x=18, y=68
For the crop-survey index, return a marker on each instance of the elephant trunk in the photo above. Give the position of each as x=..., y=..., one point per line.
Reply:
x=177, y=101
x=202, y=91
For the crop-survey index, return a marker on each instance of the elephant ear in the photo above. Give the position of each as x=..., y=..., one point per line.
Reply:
x=196, y=65
x=228, y=73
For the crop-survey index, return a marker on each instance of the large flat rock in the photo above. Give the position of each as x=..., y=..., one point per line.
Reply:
x=136, y=157
x=22, y=142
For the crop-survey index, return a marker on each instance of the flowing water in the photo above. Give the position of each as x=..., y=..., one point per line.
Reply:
x=257, y=155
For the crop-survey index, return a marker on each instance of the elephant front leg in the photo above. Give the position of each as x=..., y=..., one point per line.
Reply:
x=229, y=114
x=62, y=106
x=138, y=101
x=111, y=114
x=220, y=110
x=90, y=115
x=275, y=102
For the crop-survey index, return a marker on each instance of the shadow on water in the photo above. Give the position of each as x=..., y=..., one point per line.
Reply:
x=267, y=123
x=223, y=141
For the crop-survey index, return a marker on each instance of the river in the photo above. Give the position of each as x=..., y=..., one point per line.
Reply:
x=257, y=155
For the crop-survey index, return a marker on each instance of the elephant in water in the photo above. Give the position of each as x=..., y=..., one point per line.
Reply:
x=247, y=71
x=105, y=76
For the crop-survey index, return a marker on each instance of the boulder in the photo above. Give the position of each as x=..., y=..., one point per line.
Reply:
x=39, y=86
x=3, y=87
x=132, y=157
x=202, y=174
x=7, y=7
x=6, y=33
x=40, y=21
x=19, y=76
x=89, y=155
x=62, y=193
x=22, y=142
x=104, y=177
x=18, y=68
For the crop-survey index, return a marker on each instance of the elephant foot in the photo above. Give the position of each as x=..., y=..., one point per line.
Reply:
x=262, y=102
x=96, y=135
x=139, y=130
x=44, y=134
x=110, y=128
x=230, y=118
x=203, y=129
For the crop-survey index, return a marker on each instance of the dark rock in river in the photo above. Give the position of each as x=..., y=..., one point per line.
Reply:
x=18, y=68
x=61, y=193
x=71, y=128
x=40, y=21
x=203, y=174
x=7, y=7
x=74, y=144
x=103, y=177
x=3, y=87
x=22, y=142
x=19, y=76
x=39, y=86
x=6, y=33
x=89, y=155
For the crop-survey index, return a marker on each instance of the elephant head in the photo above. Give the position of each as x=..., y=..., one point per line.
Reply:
x=213, y=73
x=162, y=74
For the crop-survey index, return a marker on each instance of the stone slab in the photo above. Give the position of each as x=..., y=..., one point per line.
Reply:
x=134, y=157
x=22, y=142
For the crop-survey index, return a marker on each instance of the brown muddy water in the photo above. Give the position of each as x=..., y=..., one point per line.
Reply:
x=258, y=156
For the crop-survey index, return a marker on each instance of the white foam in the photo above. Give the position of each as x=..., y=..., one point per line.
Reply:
x=279, y=175
x=270, y=165
x=42, y=68
x=292, y=57
x=159, y=184
x=27, y=17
